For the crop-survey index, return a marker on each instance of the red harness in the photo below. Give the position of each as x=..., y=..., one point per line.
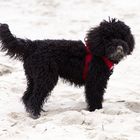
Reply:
x=88, y=59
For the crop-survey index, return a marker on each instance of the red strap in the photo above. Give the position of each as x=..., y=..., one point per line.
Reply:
x=109, y=63
x=88, y=59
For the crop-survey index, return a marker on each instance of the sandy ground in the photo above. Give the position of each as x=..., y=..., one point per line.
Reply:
x=66, y=117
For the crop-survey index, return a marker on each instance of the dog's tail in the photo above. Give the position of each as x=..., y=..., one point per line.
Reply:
x=15, y=47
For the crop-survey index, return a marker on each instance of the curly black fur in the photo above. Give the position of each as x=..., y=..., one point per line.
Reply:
x=46, y=60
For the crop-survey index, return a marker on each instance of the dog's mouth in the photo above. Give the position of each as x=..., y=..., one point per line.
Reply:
x=118, y=55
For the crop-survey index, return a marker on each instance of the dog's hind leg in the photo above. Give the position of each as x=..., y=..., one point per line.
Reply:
x=29, y=90
x=45, y=79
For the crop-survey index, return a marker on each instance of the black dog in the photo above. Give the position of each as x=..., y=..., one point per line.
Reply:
x=87, y=65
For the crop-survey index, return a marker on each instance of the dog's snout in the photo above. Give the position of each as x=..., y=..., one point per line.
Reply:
x=119, y=49
x=118, y=54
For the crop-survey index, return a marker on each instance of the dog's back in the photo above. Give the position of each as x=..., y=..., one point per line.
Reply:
x=67, y=55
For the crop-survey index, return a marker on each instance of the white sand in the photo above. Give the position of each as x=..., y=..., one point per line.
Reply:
x=66, y=117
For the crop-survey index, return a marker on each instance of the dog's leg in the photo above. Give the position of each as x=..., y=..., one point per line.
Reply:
x=94, y=97
x=95, y=88
x=46, y=77
x=29, y=90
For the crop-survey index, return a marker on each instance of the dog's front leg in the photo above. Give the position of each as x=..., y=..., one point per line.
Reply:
x=94, y=96
x=95, y=88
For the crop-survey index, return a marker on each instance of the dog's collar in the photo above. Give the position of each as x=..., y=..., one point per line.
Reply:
x=88, y=59
x=108, y=62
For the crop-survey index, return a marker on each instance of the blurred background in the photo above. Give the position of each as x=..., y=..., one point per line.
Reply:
x=65, y=19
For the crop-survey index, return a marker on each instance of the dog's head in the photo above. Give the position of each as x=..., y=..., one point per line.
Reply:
x=112, y=39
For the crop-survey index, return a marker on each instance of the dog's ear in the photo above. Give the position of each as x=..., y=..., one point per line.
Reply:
x=131, y=42
x=127, y=36
x=95, y=41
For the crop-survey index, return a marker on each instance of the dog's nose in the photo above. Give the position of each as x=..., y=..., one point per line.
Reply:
x=119, y=49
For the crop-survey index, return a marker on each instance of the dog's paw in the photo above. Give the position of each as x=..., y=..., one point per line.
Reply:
x=93, y=108
x=33, y=112
x=34, y=116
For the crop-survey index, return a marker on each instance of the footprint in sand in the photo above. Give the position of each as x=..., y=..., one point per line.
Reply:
x=133, y=106
x=5, y=69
